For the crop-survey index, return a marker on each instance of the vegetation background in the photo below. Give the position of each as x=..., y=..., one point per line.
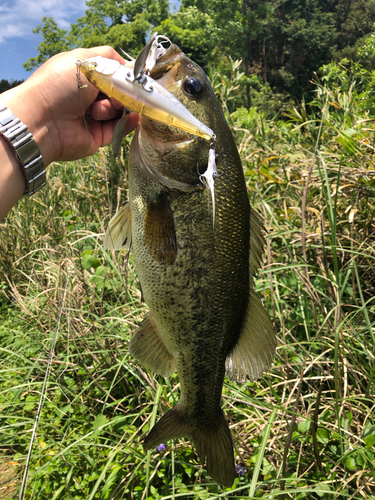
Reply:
x=296, y=80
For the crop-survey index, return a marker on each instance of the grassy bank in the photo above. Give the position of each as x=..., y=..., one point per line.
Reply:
x=305, y=430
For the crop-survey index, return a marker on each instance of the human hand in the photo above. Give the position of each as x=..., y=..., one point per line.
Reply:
x=52, y=106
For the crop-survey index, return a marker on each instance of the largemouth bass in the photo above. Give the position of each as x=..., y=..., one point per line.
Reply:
x=205, y=318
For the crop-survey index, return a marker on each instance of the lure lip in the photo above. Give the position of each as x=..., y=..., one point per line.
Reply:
x=143, y=94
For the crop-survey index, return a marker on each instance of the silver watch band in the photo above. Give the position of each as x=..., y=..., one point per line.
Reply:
x=26, y=149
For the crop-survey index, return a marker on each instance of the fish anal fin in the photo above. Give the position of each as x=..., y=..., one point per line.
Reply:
x=119, y=231
x=147, y=346
x=159, y=230
x=255, y=348
x=213, y=442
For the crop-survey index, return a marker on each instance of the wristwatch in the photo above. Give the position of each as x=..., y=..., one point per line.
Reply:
x=25, y=148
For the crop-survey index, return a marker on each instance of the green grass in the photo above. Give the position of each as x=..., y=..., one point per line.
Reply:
x=305, y=430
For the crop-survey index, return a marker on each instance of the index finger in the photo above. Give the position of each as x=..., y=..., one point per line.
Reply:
x=103, y=50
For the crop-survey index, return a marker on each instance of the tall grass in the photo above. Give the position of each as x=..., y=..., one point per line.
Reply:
x=305, y=430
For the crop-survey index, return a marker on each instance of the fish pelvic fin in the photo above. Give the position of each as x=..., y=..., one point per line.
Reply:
x=213, y=443
x=159, y=230
x=119, y=132
x=119, y=231
x=147, y=346
x=255, y=349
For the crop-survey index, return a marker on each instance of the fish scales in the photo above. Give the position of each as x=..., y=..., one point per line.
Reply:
x=195, y=277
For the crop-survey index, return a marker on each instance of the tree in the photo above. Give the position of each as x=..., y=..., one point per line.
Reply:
x=354, y=22
x=281, y=41
x=55, y=40
x=299, y=40
x=123, y=24
x=194, y=32
x=5, y=85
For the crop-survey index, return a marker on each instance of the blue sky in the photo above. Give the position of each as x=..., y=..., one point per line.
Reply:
x=18, y=18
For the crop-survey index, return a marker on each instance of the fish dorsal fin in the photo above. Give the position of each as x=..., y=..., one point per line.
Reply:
x=119, y=231
x=255, y=348
x=257, y=242
x=159, y=230
x=147, y=346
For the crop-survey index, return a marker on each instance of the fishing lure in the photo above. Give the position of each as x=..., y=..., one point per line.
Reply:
x=137, y=91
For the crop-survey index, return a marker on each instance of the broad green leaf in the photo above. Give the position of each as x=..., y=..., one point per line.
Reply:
x=304, y=426
x=99, y=421
x=322, y=435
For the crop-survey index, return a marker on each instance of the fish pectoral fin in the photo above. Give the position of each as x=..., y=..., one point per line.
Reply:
x=119, y=231
x=257, y=242
x=119, y=131
x=159, y=230
x=147, y=346
x=213, y=442
x=255, y=348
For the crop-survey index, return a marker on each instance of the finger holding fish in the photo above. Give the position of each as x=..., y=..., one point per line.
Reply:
x=105, y=109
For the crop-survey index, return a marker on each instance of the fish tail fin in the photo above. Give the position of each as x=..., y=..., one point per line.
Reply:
x=214, y=446
x=213, y=443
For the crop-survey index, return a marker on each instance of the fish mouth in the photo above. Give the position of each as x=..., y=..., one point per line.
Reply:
x=158, y=132
x=172, y=56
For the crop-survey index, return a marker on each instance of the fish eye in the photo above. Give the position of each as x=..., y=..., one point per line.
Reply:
x=193, y=87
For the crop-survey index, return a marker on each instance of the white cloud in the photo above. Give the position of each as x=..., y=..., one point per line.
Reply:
x=19, y=17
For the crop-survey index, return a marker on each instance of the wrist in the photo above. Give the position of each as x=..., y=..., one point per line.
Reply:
x=24, y=102
x=25, y=149
x=12, y=181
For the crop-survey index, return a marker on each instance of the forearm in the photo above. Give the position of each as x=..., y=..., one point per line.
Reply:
x=12, y=180
x=52, y=106
x=17, y=110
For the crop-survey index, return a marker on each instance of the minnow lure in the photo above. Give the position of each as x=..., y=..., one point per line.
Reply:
x=137, y=91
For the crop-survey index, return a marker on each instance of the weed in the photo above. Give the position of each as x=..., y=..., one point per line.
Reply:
x=305, y=430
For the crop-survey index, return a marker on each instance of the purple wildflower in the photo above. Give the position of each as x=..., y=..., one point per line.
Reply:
x=240, y=469
x=161, y=447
